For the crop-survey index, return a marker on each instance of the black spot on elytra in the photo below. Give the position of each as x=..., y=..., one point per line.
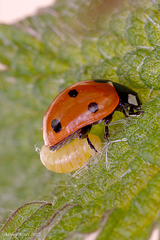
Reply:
x=56, y=125
x=93, y=107
x=73, y=93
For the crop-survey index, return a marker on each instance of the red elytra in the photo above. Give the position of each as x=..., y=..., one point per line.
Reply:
x=82, y=104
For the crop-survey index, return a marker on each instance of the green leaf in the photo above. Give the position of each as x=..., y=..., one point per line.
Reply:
x=117, y=194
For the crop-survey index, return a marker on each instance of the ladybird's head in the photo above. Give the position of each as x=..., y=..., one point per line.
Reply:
x=128, y=99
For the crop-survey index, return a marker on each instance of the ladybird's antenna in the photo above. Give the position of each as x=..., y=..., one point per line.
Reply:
x=91, y=145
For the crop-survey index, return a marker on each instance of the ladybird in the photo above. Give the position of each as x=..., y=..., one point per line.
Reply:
x=76, y=109
x=71, y=157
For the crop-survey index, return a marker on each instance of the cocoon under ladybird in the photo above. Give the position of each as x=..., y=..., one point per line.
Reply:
x=71, y=157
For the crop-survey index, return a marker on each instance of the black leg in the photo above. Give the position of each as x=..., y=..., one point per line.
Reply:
x=130, y=111
x=126, y=114
x=107, y=120
x=91, y=145
x=135, y=113
x=84, y=131
x=107, y=133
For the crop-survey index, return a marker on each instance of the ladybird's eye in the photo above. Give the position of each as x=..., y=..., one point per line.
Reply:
x=73, y=93
x=132, y=99
x=93, y=107
x=56, y=125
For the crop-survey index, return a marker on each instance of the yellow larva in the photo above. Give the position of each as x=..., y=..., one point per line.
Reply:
x=70, y=157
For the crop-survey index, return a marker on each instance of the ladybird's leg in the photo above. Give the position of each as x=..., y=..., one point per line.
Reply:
x=91, y=145
x=129, y=111
x=123, y=108
x=125, y=111
x=107, y=120
x=106, y=130
x=84, y=131
x=63, y=142
x=52, y=148
x=56, y=146
x=135, y=111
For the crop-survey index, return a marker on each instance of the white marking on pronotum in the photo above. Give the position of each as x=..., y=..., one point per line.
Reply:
x=110, y=83
x=132, y=99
